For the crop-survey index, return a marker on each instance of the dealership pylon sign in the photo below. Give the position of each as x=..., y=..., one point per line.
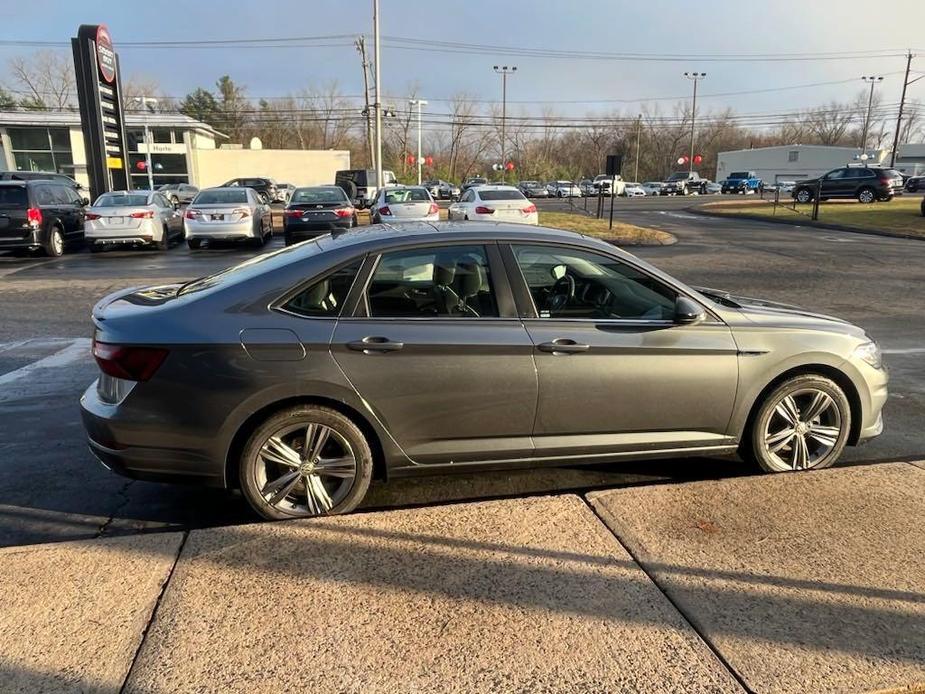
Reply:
x=99, y=93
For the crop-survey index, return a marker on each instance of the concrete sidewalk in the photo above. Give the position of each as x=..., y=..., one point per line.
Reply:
x=794, y=583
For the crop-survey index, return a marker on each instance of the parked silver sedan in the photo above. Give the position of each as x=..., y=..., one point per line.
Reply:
x=404, y=204
x=131, y=218
x=228, y=214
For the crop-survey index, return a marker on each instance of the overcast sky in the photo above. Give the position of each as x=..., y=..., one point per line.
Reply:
x=656, y=27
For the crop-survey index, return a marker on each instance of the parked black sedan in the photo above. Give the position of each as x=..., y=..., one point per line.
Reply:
x=299, y=375
x=317, y=210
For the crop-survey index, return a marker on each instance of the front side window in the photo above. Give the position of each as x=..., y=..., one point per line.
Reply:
x=835, y=175
x=442, y=282
x=570, y=283
x=325, y=298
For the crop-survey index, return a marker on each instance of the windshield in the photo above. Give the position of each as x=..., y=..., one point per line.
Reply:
x=739, y=174
x=394, y=195
x=501, y=195
x=13, y=196
x=170, y=186
x=221, y=197
x=121, y=201
x=318, y=195
x=680, y=176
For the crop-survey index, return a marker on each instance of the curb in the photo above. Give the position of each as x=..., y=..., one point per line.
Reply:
x=808, y=223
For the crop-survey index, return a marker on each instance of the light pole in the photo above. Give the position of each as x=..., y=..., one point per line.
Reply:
x=873, y=80
x=638, y=136
x=145, y=100
x=694, y=77
x=378, y=104
x=504, y=71
x=419, y=103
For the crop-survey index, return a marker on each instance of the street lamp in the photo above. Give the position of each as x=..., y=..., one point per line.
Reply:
x=418, y=103
x=873, y=80
x=693, y=77
x=504, y=71
x=145, y=101
x=378, y=87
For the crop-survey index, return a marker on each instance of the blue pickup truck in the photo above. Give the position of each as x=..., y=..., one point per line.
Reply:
x=742, y=182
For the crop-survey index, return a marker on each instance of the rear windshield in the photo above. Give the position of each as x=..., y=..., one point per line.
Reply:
x=501, y=195
x=221, y=197
x=529, y=183
x=121, y=201
x=13, y=196
x=318, y=195
x=739, y=174
x=477, y=181
x=406, y=195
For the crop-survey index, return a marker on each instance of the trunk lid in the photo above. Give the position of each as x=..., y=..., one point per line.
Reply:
x=117, y=218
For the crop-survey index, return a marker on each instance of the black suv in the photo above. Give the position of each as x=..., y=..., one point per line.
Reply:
x=265, y=187
x=40, y=215
x=866, y=183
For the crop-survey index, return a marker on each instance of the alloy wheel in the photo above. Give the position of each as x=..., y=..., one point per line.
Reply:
x=305, y=469
x=57, y=242
x=803, y=429
x=866, y=196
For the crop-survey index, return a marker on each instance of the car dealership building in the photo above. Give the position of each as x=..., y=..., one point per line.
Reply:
x=183, y=150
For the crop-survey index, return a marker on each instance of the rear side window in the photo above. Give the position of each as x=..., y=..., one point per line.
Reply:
x=44, y=195
x=13, y=196
x=326, y=297
x=443, y=282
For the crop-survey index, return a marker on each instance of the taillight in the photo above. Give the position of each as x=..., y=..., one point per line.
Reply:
x=886, y=181
x=293, y=213
x=147, y=214
x=384, y=210
x=191, y=214
x=529, y=209
x=484, y=210
x=243, y=211
x=128, y=362
x=434, y=209
x=91, y=216
x=344, y=212
x=34, y=216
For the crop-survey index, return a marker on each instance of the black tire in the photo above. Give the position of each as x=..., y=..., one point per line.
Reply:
x=803, y=196
x=54, y=247
x=259, y=242
x=96, y=248
x=193, y=243
x=249, y=467
x=164, y=243
x=867, y=196
x=755, y=448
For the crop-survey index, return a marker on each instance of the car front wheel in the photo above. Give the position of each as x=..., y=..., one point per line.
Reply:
x=802, y=424
x=803, y=196
x=306, y=461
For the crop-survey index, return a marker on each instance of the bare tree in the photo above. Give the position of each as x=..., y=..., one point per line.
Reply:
x=47, y=78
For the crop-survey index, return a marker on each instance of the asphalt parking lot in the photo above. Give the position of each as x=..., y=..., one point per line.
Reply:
x=51, y=488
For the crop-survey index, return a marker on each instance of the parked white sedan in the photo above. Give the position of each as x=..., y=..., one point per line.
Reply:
x=633, y=190
x=494, y=203
x=652, y=187
x=133, y=218
x=404, y=204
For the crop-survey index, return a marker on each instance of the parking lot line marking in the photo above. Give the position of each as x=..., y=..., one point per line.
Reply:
x=77, y=349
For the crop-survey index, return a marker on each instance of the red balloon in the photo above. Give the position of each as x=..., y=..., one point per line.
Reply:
x=509, y=166
x=697, y=158
x=141, y=165
x=411, y=159
x=429, y=161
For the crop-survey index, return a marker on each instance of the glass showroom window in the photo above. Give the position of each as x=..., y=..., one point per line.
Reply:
x=41, y=149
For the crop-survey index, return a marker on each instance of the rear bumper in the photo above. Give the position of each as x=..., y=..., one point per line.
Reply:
x=307, y=229
x=31, y=238
x=220, y=230
x=146, y=232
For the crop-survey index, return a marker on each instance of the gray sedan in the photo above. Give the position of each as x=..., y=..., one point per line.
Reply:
x=228, y=214
x=300, y=375
x=131, y=218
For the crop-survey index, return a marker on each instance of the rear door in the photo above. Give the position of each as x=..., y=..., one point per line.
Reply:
x=436, y=349
x=616, y=373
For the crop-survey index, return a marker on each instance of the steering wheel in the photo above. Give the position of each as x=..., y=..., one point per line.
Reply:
x=563, y=291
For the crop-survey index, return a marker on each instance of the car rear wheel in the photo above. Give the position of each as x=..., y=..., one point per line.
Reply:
x=803, y=196
x=306, y=461
x=164, y=243
x=867, y=196
x=194, y=243
x=802, y=424
x=55, y=245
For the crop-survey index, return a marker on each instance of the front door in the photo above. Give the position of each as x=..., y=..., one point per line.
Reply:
x=439, y=354
x=616, y=373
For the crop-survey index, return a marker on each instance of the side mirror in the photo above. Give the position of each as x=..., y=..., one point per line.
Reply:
x=85, y=201
x=687, y=311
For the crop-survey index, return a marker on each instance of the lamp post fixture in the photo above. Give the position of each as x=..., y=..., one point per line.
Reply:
x=694, y=77
x=872, y=80
x=145, y=101
x=378, y=87
x=504, y=71
x=419, y=103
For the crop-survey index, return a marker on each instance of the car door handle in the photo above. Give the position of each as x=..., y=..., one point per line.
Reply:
x=562, y=345
x=372, y=344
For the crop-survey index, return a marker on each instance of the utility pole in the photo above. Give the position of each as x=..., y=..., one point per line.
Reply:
x=378, y=93
x=902, y=102
x=693, y=77
x=638, y=136
x=504, y=71
x=361, y=49
x=419, y=103
x=870, y=102
x=145, y=100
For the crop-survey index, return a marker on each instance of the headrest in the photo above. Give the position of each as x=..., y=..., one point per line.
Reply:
x=469, y=279
x=444, y=272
